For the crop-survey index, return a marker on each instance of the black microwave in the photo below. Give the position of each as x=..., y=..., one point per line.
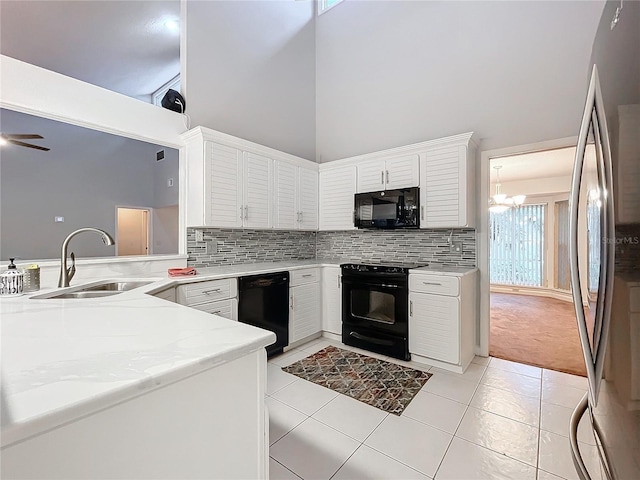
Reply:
x=388, y=209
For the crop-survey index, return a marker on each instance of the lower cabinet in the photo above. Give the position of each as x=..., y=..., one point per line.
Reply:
x=305, y=317
x=218, y=297
x=332, y=300
x=442, y=317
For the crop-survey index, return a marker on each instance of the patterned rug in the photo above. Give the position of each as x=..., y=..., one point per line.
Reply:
x=381, y=384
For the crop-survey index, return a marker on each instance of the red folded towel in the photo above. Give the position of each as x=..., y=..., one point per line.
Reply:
x=182, y=272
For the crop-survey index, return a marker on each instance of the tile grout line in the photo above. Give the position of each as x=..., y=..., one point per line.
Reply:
x=284, y=466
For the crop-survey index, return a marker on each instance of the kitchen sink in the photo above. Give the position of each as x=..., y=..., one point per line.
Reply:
x=97, y=290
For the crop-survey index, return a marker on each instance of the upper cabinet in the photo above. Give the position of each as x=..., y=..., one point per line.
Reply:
x=388, y=174
x=295, y=197
x=337, y=188
x=447, y=184
x=233, y=183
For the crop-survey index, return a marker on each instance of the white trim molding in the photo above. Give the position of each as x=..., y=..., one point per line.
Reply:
x=482, y=226
x=564, y=295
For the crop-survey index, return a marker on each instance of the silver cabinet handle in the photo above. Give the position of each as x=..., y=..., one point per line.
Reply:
x=387, y=176
x=432, y=283
x=291, y=306
x=301, y=217
x=207, y=292
x=215, y=312
x=382, y=177
x=246, y=212
x=298, y=217
x=411, y=308
x=241, y=207
x=422, y=212
x=307, y=275
x=339, y=281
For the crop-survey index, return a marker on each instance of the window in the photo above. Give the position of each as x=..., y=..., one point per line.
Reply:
x=324, y=5
x=517, y=246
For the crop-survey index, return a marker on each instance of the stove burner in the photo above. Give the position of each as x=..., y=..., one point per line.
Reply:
x=390, y=268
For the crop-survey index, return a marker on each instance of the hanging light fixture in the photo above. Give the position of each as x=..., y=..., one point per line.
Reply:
x=500, y=202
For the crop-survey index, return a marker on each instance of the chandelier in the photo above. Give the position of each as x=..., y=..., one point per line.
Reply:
x=500, y=202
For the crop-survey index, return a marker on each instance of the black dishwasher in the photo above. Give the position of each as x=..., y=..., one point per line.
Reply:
x=263, y=301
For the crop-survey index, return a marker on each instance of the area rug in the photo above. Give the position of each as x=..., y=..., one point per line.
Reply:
x=384, y=385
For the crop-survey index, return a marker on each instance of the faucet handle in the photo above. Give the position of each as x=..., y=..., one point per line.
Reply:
x=71, y=271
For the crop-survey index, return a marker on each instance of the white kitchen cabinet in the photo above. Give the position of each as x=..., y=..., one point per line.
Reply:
x=239, y=186
x=627, y=144
x=332, y=300
x=447, y=185
x=442, y=313
x=219, y=297
x=388, y=174
x=337, y=190
x=304, y=304
x=295, y=197
x=233, y=183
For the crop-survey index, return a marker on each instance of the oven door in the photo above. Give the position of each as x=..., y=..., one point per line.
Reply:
x=380, y=304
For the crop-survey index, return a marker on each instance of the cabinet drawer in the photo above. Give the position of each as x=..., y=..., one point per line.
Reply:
x=224, y=308
x=437, y=284
x=205, y=292
x=306, y=275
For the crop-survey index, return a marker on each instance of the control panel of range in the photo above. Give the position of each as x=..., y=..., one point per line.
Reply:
x=379, y=268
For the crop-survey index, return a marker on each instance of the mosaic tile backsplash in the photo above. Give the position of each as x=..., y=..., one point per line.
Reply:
x=234, y=246
x=399, y=246
x=628, y=248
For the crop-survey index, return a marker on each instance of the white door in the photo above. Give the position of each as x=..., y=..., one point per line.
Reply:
x=337, y=189
x=223, y=184
x=258, y=177
x=371, y=177
x=305, y=316
x=132, y=234
x=332, y=300
x=434, y=326
x=402, y=172
x=308, y=198
x=285, y=214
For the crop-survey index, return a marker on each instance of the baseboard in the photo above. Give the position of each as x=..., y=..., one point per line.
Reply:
x=533, y=291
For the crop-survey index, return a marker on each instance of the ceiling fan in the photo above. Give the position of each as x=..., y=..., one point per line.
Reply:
x=15, y=138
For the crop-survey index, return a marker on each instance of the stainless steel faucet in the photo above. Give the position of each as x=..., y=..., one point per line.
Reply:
x=66, y=274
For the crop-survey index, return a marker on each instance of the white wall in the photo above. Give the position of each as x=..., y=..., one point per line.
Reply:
x=82, y=178
x=249, y=71
x=535, y=186
x=394, y=73
x=164, y=170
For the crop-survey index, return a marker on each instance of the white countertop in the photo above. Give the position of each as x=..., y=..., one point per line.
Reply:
x=63, y=359
x=444, y=270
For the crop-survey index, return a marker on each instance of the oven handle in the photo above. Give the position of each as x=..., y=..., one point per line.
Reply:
x=366, y=338
x=372, y=284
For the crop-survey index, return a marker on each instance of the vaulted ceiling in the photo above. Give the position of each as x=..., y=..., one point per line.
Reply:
x=386, y=73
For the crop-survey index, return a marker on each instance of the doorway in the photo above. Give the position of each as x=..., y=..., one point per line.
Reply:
x=132, y=231
x=531, y=313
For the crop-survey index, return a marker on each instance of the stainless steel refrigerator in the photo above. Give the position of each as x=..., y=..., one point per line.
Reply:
x=616, y=430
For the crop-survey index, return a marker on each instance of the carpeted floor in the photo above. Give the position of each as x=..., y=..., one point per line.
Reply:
x=538, y=331
x=381, y=384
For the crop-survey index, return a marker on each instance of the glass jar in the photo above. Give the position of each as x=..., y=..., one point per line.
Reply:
x=11, y=281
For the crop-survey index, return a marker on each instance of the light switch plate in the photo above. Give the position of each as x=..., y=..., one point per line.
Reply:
x=199, y=236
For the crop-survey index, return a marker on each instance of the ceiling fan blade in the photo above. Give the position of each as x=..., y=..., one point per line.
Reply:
x=22, y=136
x=22, y=144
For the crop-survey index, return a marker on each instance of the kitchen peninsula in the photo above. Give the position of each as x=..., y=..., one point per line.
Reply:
x=130, y=386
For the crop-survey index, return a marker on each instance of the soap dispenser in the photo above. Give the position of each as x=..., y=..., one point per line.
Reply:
x=11, y=281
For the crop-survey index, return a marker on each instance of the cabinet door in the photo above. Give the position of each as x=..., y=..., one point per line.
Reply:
x=332, y=300
x=402, y=172
x=371, y=176
x=223, y=185
x=304, y=311
x=443, y=196
x=284, y=184
x=337, y=188
x=258, y=179
x=308, y=199
x=434, y=326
